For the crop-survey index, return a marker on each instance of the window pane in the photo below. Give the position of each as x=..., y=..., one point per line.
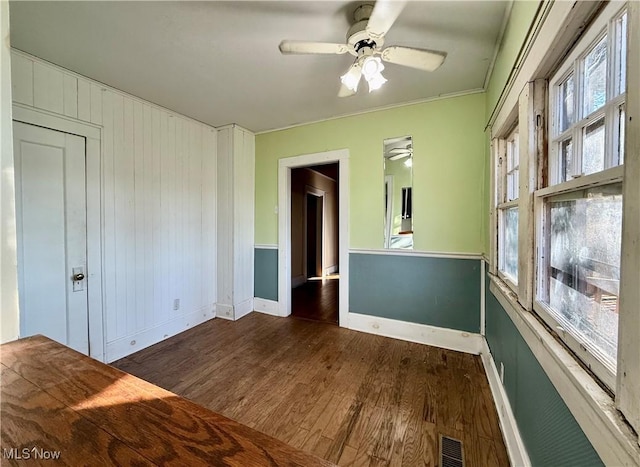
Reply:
x=621, y=48
x=510, y=243
x=566, y=156
x=584, y=270
x=595, y=77
x=566, y=103
x=593, y=148
x=621, y=123
x=513, y=185
x=513, y=163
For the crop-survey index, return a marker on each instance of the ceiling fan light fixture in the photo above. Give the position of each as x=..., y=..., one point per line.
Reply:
x=376, y=81
x=371, y=67
x=372, y=70
x=352, y=77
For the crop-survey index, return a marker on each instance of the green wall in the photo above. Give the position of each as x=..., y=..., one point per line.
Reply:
x=522, y=16
x=549, y=430
x=442, y=292
x=520, y=19
x=265, y=283
x=447, y=171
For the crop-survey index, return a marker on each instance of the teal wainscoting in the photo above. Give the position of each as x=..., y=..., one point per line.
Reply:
x=442, y=292
x=266, y=273
x=549, y=431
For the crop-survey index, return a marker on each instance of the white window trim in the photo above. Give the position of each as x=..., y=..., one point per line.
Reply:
x=628, y=380
x=607, y=177
x=592, y=407
x=603, y=25
x=504, y=203
x=578, y=347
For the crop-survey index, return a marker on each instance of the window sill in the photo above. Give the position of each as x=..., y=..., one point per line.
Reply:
x=592, y=407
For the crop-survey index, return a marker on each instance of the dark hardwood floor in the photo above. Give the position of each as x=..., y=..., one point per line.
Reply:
x=348, y=397
x=317, y=300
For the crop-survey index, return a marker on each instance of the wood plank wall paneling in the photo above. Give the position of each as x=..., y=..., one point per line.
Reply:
x=236, y=187
x=225, y=211
x=244, y=194
x=158, y=203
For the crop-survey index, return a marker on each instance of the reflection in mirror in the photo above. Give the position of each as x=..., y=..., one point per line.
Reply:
x=398, y=181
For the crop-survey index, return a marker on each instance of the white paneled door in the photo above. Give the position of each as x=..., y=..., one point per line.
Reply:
x=52, y=234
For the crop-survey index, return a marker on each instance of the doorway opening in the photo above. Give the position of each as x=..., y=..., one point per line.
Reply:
x=315, y=238
x=331, y=269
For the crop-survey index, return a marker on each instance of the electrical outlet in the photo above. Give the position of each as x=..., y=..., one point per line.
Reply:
x=502, y=372
x=176, y=304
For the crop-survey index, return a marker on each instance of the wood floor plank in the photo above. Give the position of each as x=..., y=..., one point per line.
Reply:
x=348, y=456
x=368, y=425
x=339, y=429
x=297, y=440
x=356, y=398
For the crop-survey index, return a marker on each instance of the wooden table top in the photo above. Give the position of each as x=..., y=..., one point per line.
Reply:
x=58, y=403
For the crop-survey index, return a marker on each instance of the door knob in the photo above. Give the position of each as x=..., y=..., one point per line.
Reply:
x=78, y=277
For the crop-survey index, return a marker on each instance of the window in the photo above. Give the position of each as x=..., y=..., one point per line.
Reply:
x=580, y=220
x=509, y=176
x=578, y=278
x=588, y=95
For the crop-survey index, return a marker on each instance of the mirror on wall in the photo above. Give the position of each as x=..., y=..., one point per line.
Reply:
x=398, y=183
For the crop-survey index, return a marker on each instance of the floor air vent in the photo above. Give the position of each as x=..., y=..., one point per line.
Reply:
x=451, y=452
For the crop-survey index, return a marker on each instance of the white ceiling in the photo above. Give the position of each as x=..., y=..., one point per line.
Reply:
x=218, y=62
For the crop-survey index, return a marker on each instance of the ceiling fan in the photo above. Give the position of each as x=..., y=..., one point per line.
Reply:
x=364, y=41
x=399, y=153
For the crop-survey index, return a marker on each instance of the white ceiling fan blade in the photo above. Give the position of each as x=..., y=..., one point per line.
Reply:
x=385, y=13
x=396, y=157
x=400, y=150
x=302, y=47
x=422, y=59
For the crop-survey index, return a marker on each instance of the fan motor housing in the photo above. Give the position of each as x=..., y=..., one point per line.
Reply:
x=357, y=36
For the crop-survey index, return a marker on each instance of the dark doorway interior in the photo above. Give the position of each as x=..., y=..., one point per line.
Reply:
x=314, y=235
x=314, y=243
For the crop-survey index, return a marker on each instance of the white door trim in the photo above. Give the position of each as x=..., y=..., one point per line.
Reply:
x=341, y=156
x=92, y=134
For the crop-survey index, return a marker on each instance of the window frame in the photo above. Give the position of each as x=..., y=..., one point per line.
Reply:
x=596, y=410
x=581, y=349
x=612, y=173
x=573, y=64
x=504, y=201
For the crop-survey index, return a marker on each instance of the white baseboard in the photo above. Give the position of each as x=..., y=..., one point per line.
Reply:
x=265, y=306
x=512, y=439
x=127, y=345
x=420, y=333
x=224, y=311
x=297, y=281
x=243, y=308
x=331, y=270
